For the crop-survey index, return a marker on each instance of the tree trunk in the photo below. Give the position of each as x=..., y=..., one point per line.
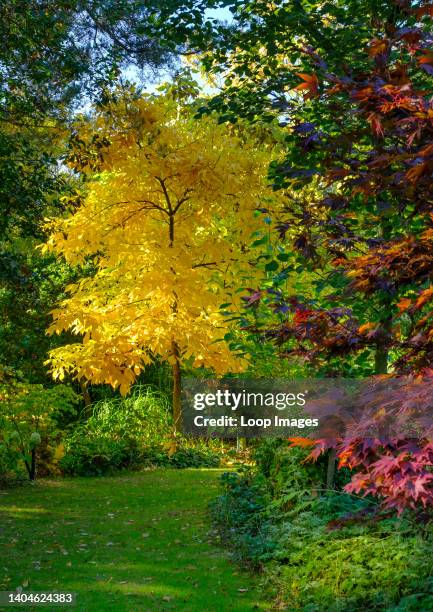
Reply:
x=330, y=474
x=85, y=392
x=241, y=444
x=381, y=360
x=382, y=351
x=31, y=469
x=381, y=367
x=177, y=405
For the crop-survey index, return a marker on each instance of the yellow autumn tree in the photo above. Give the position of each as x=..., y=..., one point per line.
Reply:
x=170, y=207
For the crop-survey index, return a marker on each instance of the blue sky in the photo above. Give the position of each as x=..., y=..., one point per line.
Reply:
x=133, y=74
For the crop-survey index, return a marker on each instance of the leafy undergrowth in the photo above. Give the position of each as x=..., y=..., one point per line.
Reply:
x=321, y=550
x=385, y=566
x=136, y=541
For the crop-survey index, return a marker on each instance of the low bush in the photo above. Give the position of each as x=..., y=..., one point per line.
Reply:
x=90, y=455
x=379, y=566
x=145, y=415
x=287, y=471
x=30, y=438
x=11, y=467
x=131, y=433
x=239, y=520
x=321, y=550
x=190, y=456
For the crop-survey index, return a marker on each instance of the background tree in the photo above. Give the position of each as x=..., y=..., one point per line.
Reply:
x=257, y=56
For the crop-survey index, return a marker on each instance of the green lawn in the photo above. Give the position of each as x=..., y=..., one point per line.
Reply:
x=137, y=541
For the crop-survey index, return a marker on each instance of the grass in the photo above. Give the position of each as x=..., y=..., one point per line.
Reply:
x=137, y=541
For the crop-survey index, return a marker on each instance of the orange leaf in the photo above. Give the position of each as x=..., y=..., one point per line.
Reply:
x=428, y=234
x=366, y=327
x=425, y=10
x=424, y=297
x=376, y=125
x=339, y=261
x=310, y=84
x=302, y=442
x=404, y=304
x=427, y=58
x=414, y=173
x=377, y=47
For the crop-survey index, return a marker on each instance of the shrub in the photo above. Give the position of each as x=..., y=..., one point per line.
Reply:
x=321, y=550
x=29, y=433
x=145, y=415
x=95, y=455
x=286, y=468
x=239, y=520
x=130, y=433
x=10, y=462
x=373, y=567
x=194, y=457
x=90, y=455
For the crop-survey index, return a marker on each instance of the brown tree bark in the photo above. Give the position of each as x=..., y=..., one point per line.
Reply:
x=177, y=380
x=85, y=392
x=330, y=473
x=381, y=360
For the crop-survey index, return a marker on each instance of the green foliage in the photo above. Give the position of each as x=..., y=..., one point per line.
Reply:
x=30, y=436
x=289, y=476
x=30, y=286
x=189, y=454
x=96, y=455
x=88, y=454
x=132, y=432
x=239, y=520
x=261, y=52
x=30, y=181
x=11, y=467
x=59, y=49
x=193, y=456
x=114, y=435
x=285, y=469
x=355, y=568
x=144, y=415
x=320, y=550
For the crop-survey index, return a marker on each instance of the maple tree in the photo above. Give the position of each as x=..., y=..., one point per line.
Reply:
x=170, y=207
x=361, y=129
x=378, y=232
